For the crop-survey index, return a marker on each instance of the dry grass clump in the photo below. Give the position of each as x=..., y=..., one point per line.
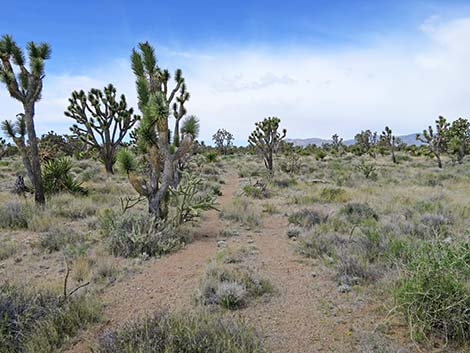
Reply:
x=194, y=331
x=241, y=210
x=230, y=286
x=38, y=322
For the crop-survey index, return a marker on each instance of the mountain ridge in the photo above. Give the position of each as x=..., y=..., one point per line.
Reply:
x=409, y=139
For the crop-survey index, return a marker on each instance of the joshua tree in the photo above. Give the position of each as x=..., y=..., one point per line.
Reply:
x=436, y=141
x=459, y=139
x=153, y=135
x=223, y=140
x=389, y=141
x=266, y=139
x=3, y=147
x=366, y=142
x=102, y=121
x=337, y=144
x=26, y=87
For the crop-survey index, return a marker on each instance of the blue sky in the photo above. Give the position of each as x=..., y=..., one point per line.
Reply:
x=297, y=59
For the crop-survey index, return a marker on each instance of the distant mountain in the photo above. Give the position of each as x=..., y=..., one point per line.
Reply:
x=408, y=139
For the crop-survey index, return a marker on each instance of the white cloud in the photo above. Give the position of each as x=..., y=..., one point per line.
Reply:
x=404, y=83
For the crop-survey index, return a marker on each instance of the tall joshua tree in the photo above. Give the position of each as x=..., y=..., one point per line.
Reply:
x=459, y=139
x=26, y=87
x=436, y=140
x=223, y=140
x=153, y=135
x=102, y=121
x=266, y=139
x=389, y=141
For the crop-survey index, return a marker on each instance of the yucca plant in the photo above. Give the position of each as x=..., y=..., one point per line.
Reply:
x=57, y=177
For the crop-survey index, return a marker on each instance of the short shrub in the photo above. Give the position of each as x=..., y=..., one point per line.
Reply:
x=196, y=331
x=434, y=294
x=241, y=210
x=230, y=286
x=57, y=239
x=356, y=212
x=329, y=194
x=135, y=234
x=72, y=207
x=8, y=249
x=255, y=192
x=14, y=214
x=307, y=218
x=318, y=245
x=40, y=322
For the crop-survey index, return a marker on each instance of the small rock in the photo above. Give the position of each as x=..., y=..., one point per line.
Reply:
x=221, y=244
x=344, y=288
x=313, y=274
x=250, y=241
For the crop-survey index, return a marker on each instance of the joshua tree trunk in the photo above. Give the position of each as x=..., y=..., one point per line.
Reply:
x=439, y=162
x=35, y=162
x=268, y=161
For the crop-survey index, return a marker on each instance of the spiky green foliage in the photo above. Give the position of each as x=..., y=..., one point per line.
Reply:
x=458, y=136
x=126, y=160
x=57, y=177
x=25, y=85
x=163, y=156
x=366, y=142
x=388, y=140
x=223, y=140
x=436, y=140
x=102, y=121
x=266, y=139
x=188, y=200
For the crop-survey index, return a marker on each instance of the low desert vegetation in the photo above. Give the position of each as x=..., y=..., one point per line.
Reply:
x=122, y=192
x=195, y=331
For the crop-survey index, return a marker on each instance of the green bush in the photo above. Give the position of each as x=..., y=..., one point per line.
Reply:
x=242, y=211
x=40, y=322
x=135, y=234
x=333, y=194
x=356, y=212
x=434, y=294
x=57, y=177
x=189, y=332
x=307, y=218
x=14, y=214
x=230, y=286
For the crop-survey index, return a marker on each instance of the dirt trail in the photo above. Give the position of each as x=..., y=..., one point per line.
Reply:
x=307, y=314
x=165, y=283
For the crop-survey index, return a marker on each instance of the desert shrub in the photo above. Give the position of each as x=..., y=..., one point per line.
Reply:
x=71, y=207
x=431, y=224
x=284, y=183
x=356, y=212
x=240, y=210
x=230, y=287
x=14, y=214
x=270, y=208
x=293, y=231
x=195, y=331
x=316, y=245
x=57, y=177
x=57, y=239
x=434, y=294
x=330, y=194
x=8, y=249
x=211, y=156
x=135, y=234
x=41, y=322
x=255, y=191
x=307, y=218
x=352, y=269
x=368, y=170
